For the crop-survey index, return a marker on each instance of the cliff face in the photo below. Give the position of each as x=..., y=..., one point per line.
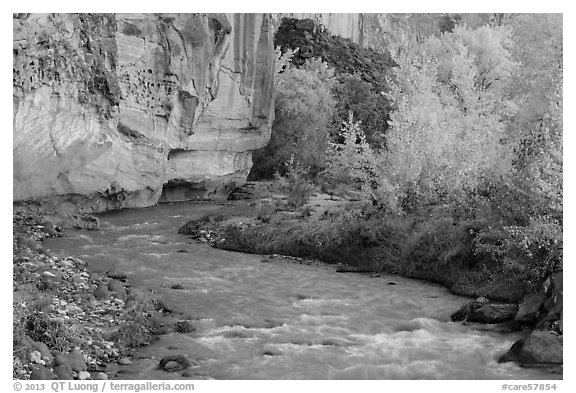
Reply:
x=114, y=111
x=392, y=32
x=344, y=25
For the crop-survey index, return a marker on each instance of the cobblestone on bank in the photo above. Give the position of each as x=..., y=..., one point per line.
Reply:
x=66, y=320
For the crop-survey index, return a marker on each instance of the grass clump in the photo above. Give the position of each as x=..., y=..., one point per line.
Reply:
x=21, y=341
x=32, y=324
x=141, y=324
x=294, y=183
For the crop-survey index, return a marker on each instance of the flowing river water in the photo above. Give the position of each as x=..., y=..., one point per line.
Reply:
x=284, y=320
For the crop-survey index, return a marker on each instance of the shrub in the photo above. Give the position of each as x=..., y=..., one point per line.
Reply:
x=295, y=183
x=354, y=170
x=437, y=244
x=267, y=212
x=21, y=341
x=38, y=327
x=141, y=324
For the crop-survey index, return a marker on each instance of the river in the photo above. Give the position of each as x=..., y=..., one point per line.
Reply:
x=262, y=318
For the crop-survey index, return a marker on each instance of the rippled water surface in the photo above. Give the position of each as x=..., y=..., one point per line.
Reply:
x=284, y=320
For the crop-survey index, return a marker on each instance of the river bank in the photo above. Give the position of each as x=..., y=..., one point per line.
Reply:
x=70, y=322
x=273, y=317
x=429, y=247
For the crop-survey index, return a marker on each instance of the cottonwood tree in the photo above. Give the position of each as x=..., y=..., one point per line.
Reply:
x=304, y=105
x=529, y=199
x=353, y=168
x=446, y=133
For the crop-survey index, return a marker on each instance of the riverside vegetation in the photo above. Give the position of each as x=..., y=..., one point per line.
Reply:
x=454, y=174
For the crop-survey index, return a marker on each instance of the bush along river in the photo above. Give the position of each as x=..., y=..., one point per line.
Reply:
x=271, y=317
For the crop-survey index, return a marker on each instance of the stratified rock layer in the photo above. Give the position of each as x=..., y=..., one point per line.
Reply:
x=114, y=111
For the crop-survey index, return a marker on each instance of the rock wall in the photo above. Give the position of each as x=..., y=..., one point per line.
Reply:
x=393, y=32
x=344, y=25
x=124, y=110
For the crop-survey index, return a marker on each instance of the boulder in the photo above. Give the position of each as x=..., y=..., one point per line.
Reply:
x=554, y=315
x=540, y=347
x=174, y=363
x=41, y=373
x=85, y=221
x=49, y=229
x=44, y=350
x=77, y=362
x=531, y=307
x=101, y=292
x=63, y=372
x=162, y=305
x=557, y=280
x=482, y=311
x=464, y=312
x=185, y=327
x=553, y=306
x=116, y=274
x=36, y=357
x=124, y=361
x=116, y=286
x=73, y=360
x=61, y=359
x=493, y=313
x=504, y=327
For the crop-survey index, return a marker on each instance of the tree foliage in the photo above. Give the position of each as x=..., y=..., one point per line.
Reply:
x=478, y=122
x=369, y=106
x=354, y=169
x=529, y=200
x=464, y=148
x=304, y=106
x=446, y=132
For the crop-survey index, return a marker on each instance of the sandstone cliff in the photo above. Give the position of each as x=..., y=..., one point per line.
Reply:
x=392, y=32
x=114, y=111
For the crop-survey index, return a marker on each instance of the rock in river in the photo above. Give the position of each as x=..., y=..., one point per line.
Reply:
x=530, y=308
x=540, y=347
x=116, y=286
x=185, y=327
x=174, y=363
x=480, y=311
x=494, y=313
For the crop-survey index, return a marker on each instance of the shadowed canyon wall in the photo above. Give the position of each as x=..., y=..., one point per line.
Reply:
x=125, y=110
